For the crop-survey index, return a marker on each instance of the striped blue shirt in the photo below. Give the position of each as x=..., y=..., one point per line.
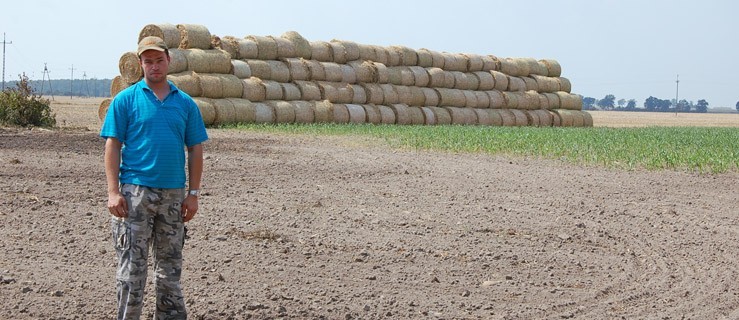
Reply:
x=154, y=135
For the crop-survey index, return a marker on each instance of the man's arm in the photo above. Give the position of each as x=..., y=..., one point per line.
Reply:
x=194, y=173
x=116, y=203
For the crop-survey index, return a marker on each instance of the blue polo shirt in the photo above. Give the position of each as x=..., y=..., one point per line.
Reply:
x=154, y=135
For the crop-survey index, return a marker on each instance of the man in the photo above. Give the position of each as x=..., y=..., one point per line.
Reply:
x=147, y=128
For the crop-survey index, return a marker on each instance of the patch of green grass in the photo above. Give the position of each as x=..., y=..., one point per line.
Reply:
x=700, y=149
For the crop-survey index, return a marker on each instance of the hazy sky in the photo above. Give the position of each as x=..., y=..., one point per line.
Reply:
x=629, y=48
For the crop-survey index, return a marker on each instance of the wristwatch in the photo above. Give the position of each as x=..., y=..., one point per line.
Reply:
x=193, y=192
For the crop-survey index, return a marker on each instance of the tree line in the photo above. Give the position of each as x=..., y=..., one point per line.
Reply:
x=652, y=104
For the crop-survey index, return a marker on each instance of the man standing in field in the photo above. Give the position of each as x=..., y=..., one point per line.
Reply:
x=147, y=128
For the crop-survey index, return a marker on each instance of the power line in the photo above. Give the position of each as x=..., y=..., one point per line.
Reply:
x=71, y=81
x=4, y=43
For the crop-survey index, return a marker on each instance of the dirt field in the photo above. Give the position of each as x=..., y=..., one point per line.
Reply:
x=318, y=227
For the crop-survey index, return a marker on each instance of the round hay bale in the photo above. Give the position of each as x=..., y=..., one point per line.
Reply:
x=474, y=62
x=372, y=112
x=390, y=95
x=367, y=52
x=241, y=69
x=285, y=48
x=569, y=101
x=437, y=59
x=425, y=59
x=394, y=76
x=556, y=120
x=338, y=51
x=244, y=110
x=451, y=97
x=497, y=99
x=521, y=119
x=533, y=67
x=552, y=66
x=401, y=114
x=545, y=117
x=387, y=115
x=553, y=99
x=495, y=117
x=166, y=31
x=130, y=67
x=321, y=51
x=473, y=81
x=364, y=70
x=406, y=76
x=381, y=55
x=511, y=99
x=207, y=110
x=482, y=99
x=264, y=113
x=437, y=77
x=483, y=117
x=336, y=92
x=404, y=94
x=381, y=73
x=290, y=91
x=303, y=111
x=359, y=95
x=266, y=47
x=429, y=118
x=460, y=81
x=272, y=90
x=208, y=61
x=177, y=61
x=449, y=80
x=501, y=80
x=279, y=71
x=408, y=56
x=248, y=48
x=228, y=44
x=187, y=81
x=309, y=90
x=516, y=84
x=225, y=112
x=393, y=57
x=103, y=108
x=508, y=118
x=302, y=46
x=284, y=111
x=374, y=93
x=546, y=84
x=462, y=116
x=564, y=84
x=210, y=85
x=544, y=102
x=530, y=84
x=316, y=72
x=587, y=119
x=470, y=99
x=254, y=90
x=532, y=98
x=431, y=97
x=117, y=85
x=348, y=75
x=441, y=115
x=340, y=114
x=489, y=63
x=485, y=80
x=260, y=69
x=323, y=112
x=351, y=49
x=417, y=98
x=509, y=66
x=297, y=68
x=532, y=118
x=333, y=71
x=420, y=76
x=346, y=93
x=194, y=36
x=454, y=62
x=416, y=115
x=232, y=86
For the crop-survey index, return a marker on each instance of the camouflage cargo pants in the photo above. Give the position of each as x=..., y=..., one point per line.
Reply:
x=154, y=220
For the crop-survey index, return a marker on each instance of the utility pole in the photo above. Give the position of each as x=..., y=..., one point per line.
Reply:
x=71, y=81
x=84, y=81
x=4, y=43
x=44, y=78
x=677, y=90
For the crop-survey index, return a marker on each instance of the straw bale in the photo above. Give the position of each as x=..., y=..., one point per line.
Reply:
x=420, y=76
x=429, y=118
x=407, y=78
x=470, y=99
x=323, y=112
x=387, y=116
x=533, y=67
x=194, y=36
x=207, y=110
x=264, y=113
x=348, y=74
x=569, y=101
x=451, y=97
x=587, y=119
x=532, y=118
x=166, y=31
x=408, y=56
x=556, y=120
x=225, y=112
x=393, y=57
x=177, y=61
x=544, y=101
x=516, y=84
x=285, y=47
x=232, y=86
x=321, y=51
x=187, y=81
x=244, y=110
x=417, y=98
x=416, y=115
x=564, y=84
x=485, y=80
x=248, y=48
x=545, y=117
x=381, y=55
x=303, y=111
x=359, y=95
x=449, y=79
x=260, y=69
x=455, y=62
x=297, y=68
x=578, y=120
x=340, y=114
x=241, y=69
x=403, y=93
x=367, y=52
x=507, y=117
x=509, y=66
x=372, y=113
x=308, y=90
x=546, y=84
x=511, y=99
x=266, y=47
x=521, y=119
x=273, y=90
x=495, y=117
x=103, y=108
x=482, y=99
x=401, y=114
x=338, y=52
x=497, y=99
x=210, y=85
x=490, y=63
x=284, y=111
x=229, y=44
x=390, y=95
x=553, y=67
x=381, y=73
x=462, y=116
x=473, y=81
x=565, y=117
x=336, y=92
x=374, y=93
x=254, y=90
x=441, y=115
x=346, y=93
x=501, y=80
x=302, y=46
x=529, y=100
x=290, y=91
x=364, y=70
x=333, y=71
x=425, y=59
x=278, y=71
x=431, y=97
x=553, y=99
x=474, y=62
x=208, y=61
x=483, y=117
x=351, y=49
x=394, y=76
x=530, y=83
x=130, y=67
x=461, y=81
x=117, y=85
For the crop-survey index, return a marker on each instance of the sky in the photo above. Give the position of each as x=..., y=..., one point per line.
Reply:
x=631, y=49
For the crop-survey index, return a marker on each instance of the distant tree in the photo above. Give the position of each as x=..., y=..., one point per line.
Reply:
x=631, y=105
x=701, y=106
x=607, y=103
x=664, y=105
x=621, y=103
x=683, y=106
x=588, y=103
x=737, y=106
x=651, y=104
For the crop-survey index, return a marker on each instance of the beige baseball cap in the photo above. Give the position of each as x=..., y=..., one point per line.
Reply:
x=151, y=43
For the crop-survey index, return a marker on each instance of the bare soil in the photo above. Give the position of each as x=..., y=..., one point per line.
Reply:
x=339, y=228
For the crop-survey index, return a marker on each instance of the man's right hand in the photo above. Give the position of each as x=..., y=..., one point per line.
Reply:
x=117, y=205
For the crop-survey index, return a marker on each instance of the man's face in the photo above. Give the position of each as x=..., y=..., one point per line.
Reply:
x=155, y=65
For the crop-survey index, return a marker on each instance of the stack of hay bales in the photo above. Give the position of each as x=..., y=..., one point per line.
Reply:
x=288, y=79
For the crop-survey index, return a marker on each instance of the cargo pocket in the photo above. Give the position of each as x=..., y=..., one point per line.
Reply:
x=121, y=235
